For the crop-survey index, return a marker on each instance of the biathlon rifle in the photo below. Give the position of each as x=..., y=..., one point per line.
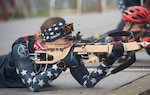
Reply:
x=57, y=52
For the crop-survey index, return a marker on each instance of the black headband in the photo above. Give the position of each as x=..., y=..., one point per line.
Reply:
x=57, y=31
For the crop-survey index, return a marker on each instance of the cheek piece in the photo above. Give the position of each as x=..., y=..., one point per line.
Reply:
x=57, y=31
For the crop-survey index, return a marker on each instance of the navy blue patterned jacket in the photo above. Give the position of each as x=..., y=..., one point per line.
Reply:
x=18, y=70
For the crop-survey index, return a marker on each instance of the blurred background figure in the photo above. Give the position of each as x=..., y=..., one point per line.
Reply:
x=124, y=4
x=8, y=8
x=147, y=4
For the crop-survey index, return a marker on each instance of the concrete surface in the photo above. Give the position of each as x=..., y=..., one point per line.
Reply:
x=136, y=87
x=66, y=85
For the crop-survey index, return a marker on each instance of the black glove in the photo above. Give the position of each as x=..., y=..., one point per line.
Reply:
x=117, y=51
x=62, y=65
x=72, y=59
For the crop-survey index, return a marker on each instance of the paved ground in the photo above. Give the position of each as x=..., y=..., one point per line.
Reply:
x=66, y=85
x=88, y=24
x=138, y=87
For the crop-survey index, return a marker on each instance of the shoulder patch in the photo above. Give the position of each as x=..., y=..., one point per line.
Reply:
x=23, y=51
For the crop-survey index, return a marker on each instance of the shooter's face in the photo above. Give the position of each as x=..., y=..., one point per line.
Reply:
x=138, y=29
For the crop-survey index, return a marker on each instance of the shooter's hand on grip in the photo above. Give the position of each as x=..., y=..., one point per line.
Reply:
x=72, y=59
x=117, y=51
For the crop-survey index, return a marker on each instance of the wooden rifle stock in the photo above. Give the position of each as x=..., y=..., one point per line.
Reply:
x=57, y=54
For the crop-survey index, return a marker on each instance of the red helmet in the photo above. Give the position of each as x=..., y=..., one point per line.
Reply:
x=136, y=14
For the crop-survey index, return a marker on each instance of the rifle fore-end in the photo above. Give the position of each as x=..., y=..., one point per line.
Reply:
x=106, y=48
